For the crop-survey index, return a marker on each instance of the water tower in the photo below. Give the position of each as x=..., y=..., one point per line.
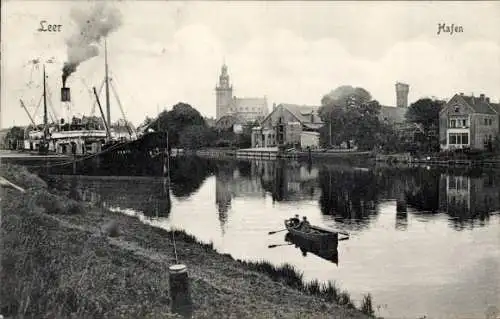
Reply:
x=402, y=90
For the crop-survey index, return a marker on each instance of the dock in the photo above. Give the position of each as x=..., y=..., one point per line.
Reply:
x=7, y=154
x=272, y=153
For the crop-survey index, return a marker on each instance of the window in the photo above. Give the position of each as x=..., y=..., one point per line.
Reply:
x=458, y=183
x=464, y=123
x=491, y=121
x=453, y=139
x=458, y=138
x=453, y=123
x=465, y=138
x=452, y=184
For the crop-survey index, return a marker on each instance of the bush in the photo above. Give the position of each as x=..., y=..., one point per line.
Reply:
x=111, y=229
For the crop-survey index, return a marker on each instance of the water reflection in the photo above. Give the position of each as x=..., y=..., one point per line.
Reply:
x=149, y=195
x=187, y=174
x=288, y=181
x=326, y=250
x=401, y=221
x=350, y=195
x=469, y=198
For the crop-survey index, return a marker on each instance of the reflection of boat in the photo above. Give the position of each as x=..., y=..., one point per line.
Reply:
x=326, y=249
x=314, y=234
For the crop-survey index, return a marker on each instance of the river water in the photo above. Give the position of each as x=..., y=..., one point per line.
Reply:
x=439, y=259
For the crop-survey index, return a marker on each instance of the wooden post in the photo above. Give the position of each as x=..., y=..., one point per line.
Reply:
x=73, y=151
x=179, y=290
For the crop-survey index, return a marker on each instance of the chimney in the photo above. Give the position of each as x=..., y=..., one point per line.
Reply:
x=402, y=90
x=274, y=106
x=487, y=100
x=481, y=97
x=65, y=94
x=461, y=94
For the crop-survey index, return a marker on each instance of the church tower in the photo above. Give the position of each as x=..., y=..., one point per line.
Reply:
x=224, y=94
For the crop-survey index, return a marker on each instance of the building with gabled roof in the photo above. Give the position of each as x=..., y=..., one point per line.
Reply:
x=469, y=122
x=288, y=124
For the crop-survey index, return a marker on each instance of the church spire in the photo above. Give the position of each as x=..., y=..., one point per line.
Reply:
x=224, y=77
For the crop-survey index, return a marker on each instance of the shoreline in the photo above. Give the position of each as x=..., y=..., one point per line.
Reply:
x=77, y=270
x=215, y=153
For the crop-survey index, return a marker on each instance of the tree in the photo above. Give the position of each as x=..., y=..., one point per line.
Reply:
x=176, y=121
x=342, y=95
x=351, y=115
x=425, y=112
x=195, y=137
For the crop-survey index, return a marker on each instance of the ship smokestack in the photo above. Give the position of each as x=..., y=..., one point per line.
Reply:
x=65, y=94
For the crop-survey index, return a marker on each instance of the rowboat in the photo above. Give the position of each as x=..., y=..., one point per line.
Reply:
x=315, y=233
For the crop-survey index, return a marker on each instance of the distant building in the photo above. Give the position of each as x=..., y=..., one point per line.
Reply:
x=469, y=122
x=396, y=115
x=241, y=109
x=402, y=91
x=288, y=124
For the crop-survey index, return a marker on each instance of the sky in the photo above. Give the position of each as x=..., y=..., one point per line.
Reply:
x=291, y=52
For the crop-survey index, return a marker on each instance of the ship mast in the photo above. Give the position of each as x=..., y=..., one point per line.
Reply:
x=108, y=110
x=44, y=106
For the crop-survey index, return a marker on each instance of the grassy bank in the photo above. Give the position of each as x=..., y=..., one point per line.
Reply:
x=64, y=259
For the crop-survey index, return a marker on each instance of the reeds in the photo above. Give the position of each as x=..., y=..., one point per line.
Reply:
x=292, y=277
x=367, y=305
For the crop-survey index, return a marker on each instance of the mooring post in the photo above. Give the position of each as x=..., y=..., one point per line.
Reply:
x=73, y=151
x=179, y=290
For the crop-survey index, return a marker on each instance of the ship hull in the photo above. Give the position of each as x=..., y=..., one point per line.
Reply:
x=146, y=155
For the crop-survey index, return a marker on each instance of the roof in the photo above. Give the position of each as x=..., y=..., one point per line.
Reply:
x=393, y=114
x=303, y=113
x=229, y=120
x=250, y=102
x=496, y=106
x=479, y=105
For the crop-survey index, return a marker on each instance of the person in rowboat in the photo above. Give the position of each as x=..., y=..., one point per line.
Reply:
x=295, y=221
x=304, y=225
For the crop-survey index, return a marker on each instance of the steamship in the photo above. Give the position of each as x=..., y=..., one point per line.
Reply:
x=92, y=140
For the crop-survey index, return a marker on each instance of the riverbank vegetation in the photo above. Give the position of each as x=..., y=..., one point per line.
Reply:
x=58, y=261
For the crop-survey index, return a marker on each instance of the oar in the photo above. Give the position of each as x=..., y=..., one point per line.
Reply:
x=272, y=246
x=276, y=231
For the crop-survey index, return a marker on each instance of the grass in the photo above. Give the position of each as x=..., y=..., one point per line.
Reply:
x=367, y=305
x=57, y=264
